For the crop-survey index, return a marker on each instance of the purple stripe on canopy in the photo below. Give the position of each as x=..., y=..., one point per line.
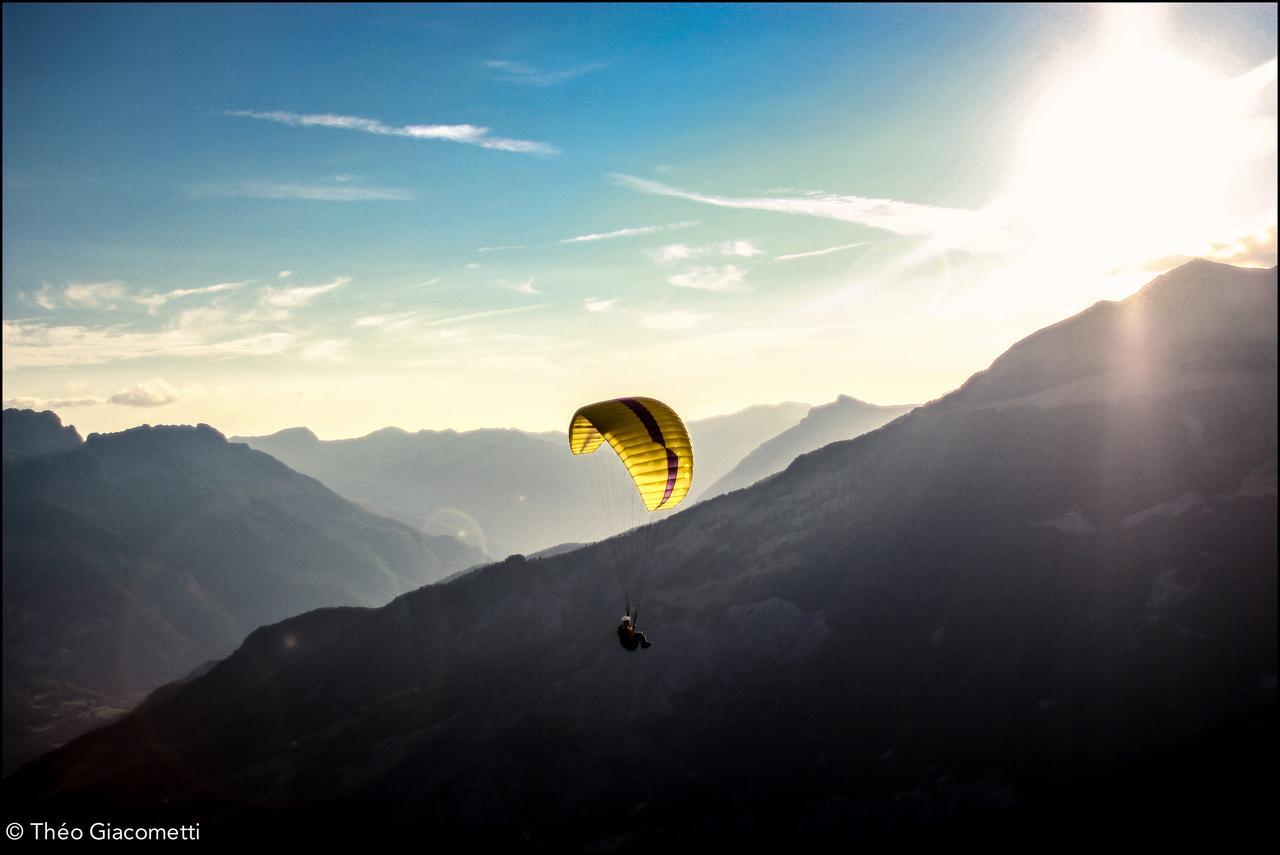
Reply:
x=646, y=418
x=673, y=466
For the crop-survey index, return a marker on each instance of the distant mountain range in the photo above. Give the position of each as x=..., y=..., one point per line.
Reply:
x=721, y=442
x=134, y=557
x=845, y=418
x=502, y=491
x=1049, y=595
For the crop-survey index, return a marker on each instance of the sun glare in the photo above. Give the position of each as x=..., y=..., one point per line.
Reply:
x=1134, y=153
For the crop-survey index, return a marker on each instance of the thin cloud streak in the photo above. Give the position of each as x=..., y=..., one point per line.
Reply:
x=308, y=192
x=815, y=253
x=633, y=232
x=957, y=228
x=291, y=298
x=471, y=316
x=396, y=321
x=156, y=300
x=51, y=404
x=33, y=345
x=465, y=134
x=528, y=75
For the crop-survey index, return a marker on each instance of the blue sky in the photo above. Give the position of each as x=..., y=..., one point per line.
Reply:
x=464, y=216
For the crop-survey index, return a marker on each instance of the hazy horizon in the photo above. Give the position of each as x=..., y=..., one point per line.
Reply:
x=349, y=218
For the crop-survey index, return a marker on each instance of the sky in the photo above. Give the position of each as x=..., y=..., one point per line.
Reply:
x=350, y=217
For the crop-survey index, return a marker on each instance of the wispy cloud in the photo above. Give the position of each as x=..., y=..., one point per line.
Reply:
x=725, y=249
x=45, y=298
x=310, y=192
x=291, y=298
x=154, y=301
x=528, y=75
x=466, y=134
x=93, y=295
x=595, y=304
x=395, y=321
x=284, y=274
x=711, y=278
x=679, y=319
x=471, y=316
x=29, y=344
x=966, y=228
x=424, y=284
x=632, y=232
x=154, y=393
x=828, y=251
x=500, y=248
x=78, y=295
x=526, y=287
x=326, y=350
x=49, y=404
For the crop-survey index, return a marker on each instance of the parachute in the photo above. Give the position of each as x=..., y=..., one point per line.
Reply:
x=650, y=439
x=654, y=446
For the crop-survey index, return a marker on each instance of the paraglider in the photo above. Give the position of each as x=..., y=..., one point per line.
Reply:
x=629, y=636
x=650, y=439
x=654, y=446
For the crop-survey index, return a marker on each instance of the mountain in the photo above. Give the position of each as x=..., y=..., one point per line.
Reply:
x=138, y=555
x=1042, y=606
x=30, y=434
x=502, y=491
x=844, y=418
x=722, y=441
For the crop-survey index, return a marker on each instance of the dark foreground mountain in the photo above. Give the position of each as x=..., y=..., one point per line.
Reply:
x=502, y=491
x=843, y=418
x=29, y=434
x=1041, y=609
x=135, y=557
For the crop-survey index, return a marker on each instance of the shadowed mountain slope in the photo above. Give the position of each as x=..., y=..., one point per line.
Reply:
x=139, y=555
x=1062, y=572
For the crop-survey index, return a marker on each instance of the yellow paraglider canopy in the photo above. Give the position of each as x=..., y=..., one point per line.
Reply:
x=650, y=439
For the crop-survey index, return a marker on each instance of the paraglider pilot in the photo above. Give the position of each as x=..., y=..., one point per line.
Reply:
x=629, y=636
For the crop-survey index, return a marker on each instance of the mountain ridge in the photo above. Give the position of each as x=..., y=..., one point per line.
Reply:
x=503, y=490
x=845, y=418
x=885, y=637
x=139, y=554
